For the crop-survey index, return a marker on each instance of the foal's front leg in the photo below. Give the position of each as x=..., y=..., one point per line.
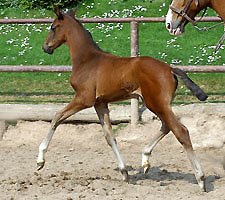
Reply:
x=73, y=107
x=103, y=114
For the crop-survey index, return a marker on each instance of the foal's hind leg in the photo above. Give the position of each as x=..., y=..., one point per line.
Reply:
x=182, y=135
x=73, y=107
x=148, y=149
x=103, y=114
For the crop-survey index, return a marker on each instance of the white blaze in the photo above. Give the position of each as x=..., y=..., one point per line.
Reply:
x=169, y=18
x=169, y=22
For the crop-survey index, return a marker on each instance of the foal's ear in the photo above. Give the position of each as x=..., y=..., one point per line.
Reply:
x=73, y=12
x=58, y=13
x=196, y=3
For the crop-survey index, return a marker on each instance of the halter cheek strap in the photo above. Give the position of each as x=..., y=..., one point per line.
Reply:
x=183, y=13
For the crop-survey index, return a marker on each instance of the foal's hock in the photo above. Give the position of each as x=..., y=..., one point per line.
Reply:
x=99, y=78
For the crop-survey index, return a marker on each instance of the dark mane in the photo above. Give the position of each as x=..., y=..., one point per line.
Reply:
x=87, y=33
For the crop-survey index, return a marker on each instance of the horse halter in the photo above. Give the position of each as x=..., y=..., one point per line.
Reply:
x=183, y=13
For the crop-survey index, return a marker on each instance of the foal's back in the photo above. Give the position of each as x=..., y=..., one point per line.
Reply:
x=123, y=76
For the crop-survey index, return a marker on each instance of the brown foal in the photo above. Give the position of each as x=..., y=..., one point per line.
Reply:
x=99, y=78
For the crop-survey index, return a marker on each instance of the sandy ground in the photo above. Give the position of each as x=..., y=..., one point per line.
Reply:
x=80, y=165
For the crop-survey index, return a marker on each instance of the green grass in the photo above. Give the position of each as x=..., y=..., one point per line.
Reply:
x=22, y=45
x=119, y=127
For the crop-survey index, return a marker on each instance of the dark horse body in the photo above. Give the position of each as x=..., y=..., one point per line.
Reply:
x=99, y=78
x=182, y=12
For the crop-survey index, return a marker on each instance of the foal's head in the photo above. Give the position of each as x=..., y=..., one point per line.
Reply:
x=57, y=34
x=176, y=20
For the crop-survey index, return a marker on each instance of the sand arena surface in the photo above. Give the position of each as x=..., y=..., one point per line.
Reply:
x=80, y=164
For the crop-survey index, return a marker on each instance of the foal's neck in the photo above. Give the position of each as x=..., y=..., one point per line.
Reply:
x=80, y=43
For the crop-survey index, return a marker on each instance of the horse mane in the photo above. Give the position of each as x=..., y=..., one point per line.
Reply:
x=85, y=31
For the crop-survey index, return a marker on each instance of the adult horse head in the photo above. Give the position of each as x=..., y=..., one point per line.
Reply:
x=181, y=12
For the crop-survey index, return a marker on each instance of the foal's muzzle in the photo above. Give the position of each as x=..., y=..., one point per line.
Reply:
x=47, y=49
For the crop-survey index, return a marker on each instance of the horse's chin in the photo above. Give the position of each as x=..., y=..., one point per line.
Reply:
x=176, y=32
x=48, y=50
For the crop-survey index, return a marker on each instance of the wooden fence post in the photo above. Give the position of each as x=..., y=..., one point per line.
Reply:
x=134, y=53
x=3, y=128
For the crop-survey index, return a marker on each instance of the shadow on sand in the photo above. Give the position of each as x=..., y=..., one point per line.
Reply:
x=163, y=176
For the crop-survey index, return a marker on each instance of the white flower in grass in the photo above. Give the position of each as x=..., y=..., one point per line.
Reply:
x=176, y=61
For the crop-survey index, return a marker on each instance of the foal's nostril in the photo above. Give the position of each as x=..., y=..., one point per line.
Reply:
x=168, y=26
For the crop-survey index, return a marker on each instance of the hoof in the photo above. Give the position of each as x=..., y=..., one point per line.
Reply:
x=125, y=176
x=202, y=185
x=145, y=162
x=40, y=165
x=146, y=168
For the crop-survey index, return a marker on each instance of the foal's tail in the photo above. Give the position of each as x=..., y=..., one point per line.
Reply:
x=195, y=89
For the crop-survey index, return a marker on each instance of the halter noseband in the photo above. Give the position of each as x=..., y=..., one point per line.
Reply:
x=183, y=13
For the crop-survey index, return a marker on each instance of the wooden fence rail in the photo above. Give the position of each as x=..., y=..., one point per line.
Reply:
x=65, y=68
x=104, y=20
